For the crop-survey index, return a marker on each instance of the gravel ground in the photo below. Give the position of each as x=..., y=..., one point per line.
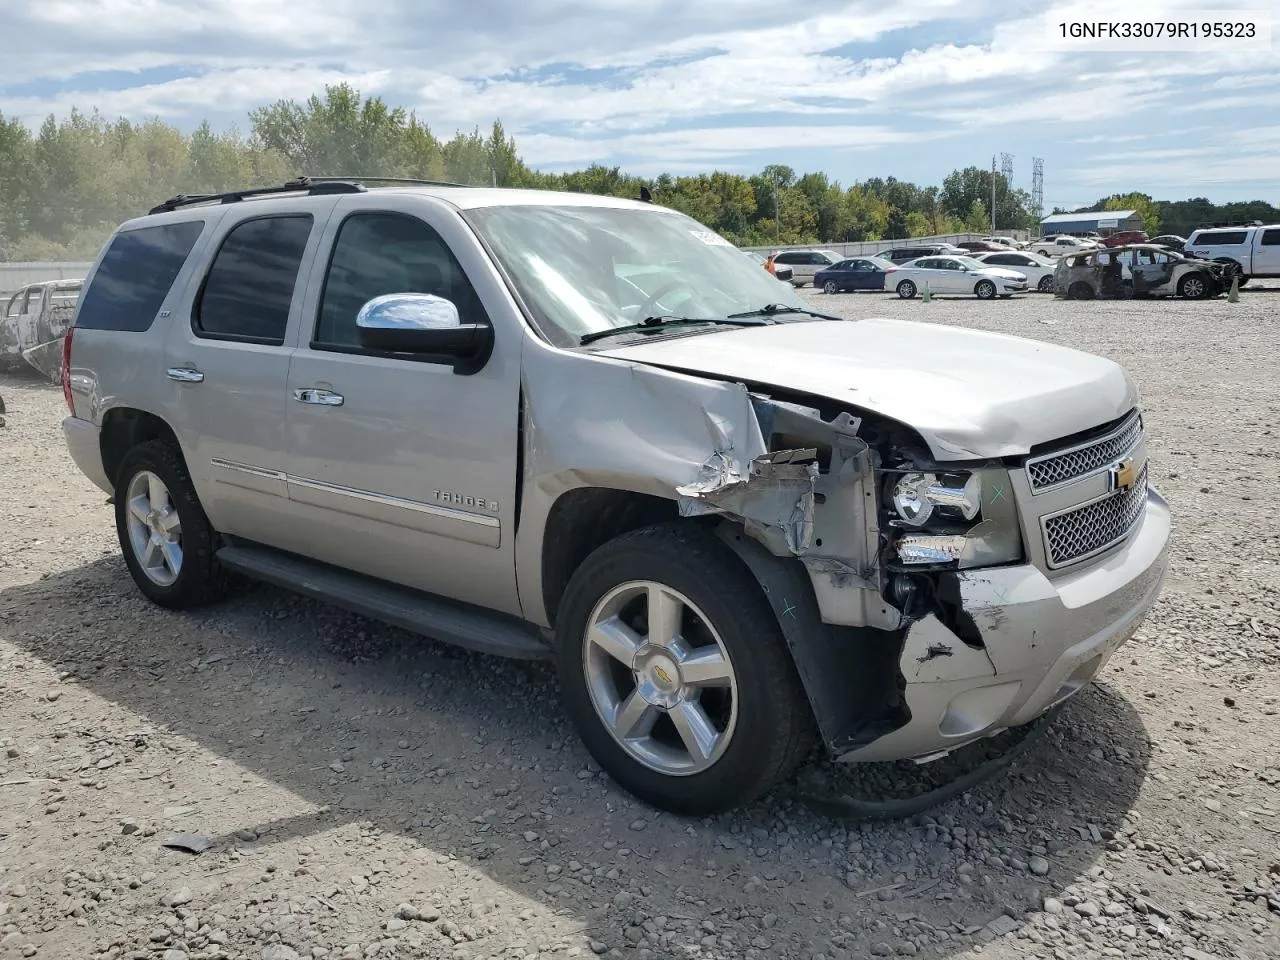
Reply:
x=369, y=794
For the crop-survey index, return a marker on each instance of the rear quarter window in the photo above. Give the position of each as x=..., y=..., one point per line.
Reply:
x=1220, y=238
x=135, y=275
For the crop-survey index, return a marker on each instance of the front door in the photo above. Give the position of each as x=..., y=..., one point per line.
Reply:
x=399, y=467
x=1266, y=258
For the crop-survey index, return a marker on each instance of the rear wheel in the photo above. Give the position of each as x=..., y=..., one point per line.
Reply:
x=906, y=289
x=676, y=675
x=1080, y=291
x=1045, y=285
x=985, y=290
x=167, y=541
x=830, y=287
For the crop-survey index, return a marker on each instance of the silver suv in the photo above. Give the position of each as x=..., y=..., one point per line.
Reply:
x=589, y=430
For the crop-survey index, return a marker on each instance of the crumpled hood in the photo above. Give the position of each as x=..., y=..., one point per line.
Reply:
x=970, y=394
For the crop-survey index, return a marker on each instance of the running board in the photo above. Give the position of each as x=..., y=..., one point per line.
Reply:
x=461, y=625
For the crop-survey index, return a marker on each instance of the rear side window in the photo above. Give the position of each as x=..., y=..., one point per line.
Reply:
x=135, y=275
x=787, y=258
x=1220, y=238
x=1004, y=260
x=249, y=288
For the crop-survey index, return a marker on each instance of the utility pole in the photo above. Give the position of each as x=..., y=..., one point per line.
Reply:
x=993, y=194
x=1037, y=191
x=777, y=216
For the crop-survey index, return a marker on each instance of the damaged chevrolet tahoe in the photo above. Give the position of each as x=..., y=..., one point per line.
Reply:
x=588, y=430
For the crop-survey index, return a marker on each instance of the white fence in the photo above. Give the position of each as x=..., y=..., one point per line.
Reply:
x=869, y=247
x=15, y=276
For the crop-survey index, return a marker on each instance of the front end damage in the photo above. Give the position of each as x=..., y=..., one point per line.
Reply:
x=910, y=641
x=914, y=641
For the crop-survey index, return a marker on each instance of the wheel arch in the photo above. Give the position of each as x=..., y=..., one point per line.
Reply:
x=584, y=518
x=124, y=428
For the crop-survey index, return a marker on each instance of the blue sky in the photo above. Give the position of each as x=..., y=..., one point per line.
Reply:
x=908, y=88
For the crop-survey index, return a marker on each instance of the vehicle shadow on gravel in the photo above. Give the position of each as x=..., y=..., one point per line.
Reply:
x=471, y=757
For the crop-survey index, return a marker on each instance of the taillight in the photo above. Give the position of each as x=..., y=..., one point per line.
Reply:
x=66, y=370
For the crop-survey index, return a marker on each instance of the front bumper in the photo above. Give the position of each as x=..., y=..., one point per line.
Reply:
x=1043, y=639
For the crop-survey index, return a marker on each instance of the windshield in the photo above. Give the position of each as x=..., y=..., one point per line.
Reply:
x=973, y=264
x=583, y=269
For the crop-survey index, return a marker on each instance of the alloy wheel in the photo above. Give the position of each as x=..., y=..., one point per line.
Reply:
x=660, y=678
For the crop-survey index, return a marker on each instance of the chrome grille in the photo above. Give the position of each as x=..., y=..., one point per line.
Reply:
x=1056, y=468
x=1081, y=532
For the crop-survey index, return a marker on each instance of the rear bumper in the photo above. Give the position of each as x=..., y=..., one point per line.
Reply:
x=1042, y=641
x=86, y=450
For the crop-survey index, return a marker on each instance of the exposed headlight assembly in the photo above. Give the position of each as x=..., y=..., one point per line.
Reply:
x=952, y=518
x=918, y=495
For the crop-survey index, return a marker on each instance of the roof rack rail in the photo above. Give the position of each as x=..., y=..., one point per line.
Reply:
x=314, y=186
x=356, y=179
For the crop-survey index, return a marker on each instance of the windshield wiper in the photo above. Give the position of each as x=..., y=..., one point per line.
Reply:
x=654, y=323
x=772, y=309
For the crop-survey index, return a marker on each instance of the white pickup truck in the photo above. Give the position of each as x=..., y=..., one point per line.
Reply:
x=1254, y=250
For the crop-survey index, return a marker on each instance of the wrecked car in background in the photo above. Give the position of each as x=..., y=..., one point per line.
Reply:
x=33, y=324
x=738, y=526
x=1140, y=270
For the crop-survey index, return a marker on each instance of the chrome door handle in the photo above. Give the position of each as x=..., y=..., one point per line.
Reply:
x=185, y=375
x=326, y=398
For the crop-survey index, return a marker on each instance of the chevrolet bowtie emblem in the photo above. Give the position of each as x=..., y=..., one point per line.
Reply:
x=1123, y=475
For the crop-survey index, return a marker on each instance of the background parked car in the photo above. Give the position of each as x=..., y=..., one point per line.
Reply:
x=1037, y=269
x=805, y=263
x=1252, y=251
x=905, y=253
x=957, y=275
x=981, y=246
x=1061, y=245
x=1007, y=242
x=32, y=324
x=858, y=273
x=1170, y=241
x=1142, y=270
x=1125, y=238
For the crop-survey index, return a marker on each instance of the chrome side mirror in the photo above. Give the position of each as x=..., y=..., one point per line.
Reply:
x=426, y=325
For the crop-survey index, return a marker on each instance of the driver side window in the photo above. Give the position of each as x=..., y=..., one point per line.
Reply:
x=380, y=253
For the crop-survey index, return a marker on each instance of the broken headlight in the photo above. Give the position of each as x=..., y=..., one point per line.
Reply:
x=916, y=496
x=951, y=518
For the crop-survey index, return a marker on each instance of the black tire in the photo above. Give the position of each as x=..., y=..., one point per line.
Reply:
x=201, y=579
x=1193, y=286
x=984, y=290
x=774, y=730
x=906, y=289
x=830, y=287
x=1080, y=291
x=1046, y=284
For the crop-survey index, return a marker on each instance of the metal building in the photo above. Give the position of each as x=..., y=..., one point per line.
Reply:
x=1103, y=223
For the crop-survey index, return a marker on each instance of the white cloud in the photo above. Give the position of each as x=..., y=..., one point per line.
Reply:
x=666, y=84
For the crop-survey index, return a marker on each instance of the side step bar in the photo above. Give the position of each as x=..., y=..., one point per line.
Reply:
x=462, y=625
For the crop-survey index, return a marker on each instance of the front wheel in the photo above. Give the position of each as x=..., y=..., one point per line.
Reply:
x=1045, y=285
x=1193, y=287
x=167, y=541
x=985, y=290
x=676, y=675
x=906, y=289
x=830, y=287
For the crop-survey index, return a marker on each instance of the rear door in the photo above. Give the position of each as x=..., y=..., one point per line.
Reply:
x=227, y=365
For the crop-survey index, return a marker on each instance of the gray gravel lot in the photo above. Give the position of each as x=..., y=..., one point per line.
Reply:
x=369, y=794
